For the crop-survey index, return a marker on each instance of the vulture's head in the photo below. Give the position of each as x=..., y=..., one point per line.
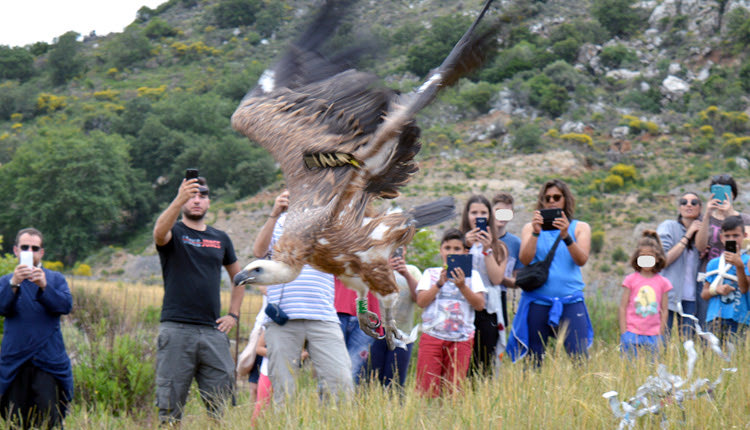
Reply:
x=265, y=272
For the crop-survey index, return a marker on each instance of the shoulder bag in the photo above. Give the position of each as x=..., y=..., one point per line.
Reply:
x=535, y=275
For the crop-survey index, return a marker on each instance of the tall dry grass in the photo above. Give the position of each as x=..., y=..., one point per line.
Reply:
x=561, y=394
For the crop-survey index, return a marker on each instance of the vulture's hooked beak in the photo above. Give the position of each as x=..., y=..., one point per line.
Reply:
x=244, y=277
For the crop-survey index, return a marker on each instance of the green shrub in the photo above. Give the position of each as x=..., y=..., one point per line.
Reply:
x=476, y=96
x=738, y=26
x=546, y=95
x=527, y=137
x=118, y=377
x=158, y=28
x=597, y=241
x=235, y=13
x=614, y=56
x=565, y=75
x=566, y=50
x=15, y=63
x=617, y=16
x=619, y=255
x=744, y=75
x=17, y=98
x=424, y=250
x=8, y=262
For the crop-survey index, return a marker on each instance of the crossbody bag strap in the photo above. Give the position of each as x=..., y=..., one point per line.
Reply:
x=551, y=253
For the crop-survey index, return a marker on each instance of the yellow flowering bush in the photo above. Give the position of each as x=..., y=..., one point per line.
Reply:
x=107, y=94
x=152, y=93
x=49, y=102
x=578, y=137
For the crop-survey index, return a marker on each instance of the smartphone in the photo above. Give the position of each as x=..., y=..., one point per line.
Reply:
x=549, y=216
x=191, y=173
x=27, y=258
x=481, y=223
x=399, y=252
x=730, y=246
x=459, y=260
x=721, y=191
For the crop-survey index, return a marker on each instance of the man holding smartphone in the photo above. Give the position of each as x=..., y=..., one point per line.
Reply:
x=193, y=338
x=36, y=378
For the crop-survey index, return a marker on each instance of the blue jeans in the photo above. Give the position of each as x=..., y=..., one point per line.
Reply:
x=540, y=331
x=357, y=344
x=630, y=343
x=687, y=326
x=389, y=365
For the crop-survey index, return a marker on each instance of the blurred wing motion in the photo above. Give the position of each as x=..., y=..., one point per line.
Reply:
x=342, y=141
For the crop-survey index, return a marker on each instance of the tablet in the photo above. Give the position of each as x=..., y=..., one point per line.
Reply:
x=459, y=260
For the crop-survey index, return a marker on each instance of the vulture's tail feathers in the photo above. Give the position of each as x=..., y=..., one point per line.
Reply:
x=434, y=212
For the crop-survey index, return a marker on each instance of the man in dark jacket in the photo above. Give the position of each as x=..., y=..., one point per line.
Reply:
x=36, y=379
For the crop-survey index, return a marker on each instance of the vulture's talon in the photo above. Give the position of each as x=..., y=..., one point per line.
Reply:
x=369, y=323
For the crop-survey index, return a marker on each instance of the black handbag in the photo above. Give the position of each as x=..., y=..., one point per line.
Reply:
x=535, y=275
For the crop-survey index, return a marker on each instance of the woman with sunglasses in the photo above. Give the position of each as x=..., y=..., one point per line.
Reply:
x=560, y=300
x=683, y=256
x=707, y=239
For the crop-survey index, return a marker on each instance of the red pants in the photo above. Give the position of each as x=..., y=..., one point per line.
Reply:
x=442, y=363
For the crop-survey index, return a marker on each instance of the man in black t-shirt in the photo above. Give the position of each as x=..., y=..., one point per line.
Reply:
x=193, y=338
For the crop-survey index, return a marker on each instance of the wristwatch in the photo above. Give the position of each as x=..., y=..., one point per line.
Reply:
x=12, y=285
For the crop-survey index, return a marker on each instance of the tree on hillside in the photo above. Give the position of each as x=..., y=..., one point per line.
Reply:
x=619, y=17
x=15, y=63
x=65, y=60
x=75, y=188
x=128, y=47
x=234, y=13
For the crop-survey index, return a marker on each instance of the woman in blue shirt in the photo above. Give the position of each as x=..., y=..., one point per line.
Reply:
x=541, y=313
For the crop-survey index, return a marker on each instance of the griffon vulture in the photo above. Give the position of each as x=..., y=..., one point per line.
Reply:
x=342, y=141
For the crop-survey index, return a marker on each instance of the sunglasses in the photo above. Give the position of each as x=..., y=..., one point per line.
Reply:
x=33, y=248
x=721, y=178
x=555, y=197
x=694, y=202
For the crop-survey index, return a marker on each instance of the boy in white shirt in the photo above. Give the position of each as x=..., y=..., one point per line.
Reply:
x=447, y=320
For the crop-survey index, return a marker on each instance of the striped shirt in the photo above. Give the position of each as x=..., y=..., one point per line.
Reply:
x=310, y=296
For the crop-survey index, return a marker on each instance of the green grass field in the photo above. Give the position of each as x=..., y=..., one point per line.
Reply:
x=561, y=394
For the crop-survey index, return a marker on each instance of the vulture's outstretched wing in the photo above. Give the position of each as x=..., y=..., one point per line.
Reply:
x=332, y=126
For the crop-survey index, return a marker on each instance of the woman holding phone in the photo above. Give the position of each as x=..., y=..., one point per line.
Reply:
x=542, y=312
x=723, y=189
x=678, y=238
x=489, y=257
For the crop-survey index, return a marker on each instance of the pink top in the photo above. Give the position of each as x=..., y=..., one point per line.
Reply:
x=642, y=315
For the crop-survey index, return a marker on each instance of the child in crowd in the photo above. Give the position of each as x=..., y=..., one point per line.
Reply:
x=502, y=207
x=449, y=302
x=385, y=365
x=645, y=299
x=489, y=256
x=726, y=284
